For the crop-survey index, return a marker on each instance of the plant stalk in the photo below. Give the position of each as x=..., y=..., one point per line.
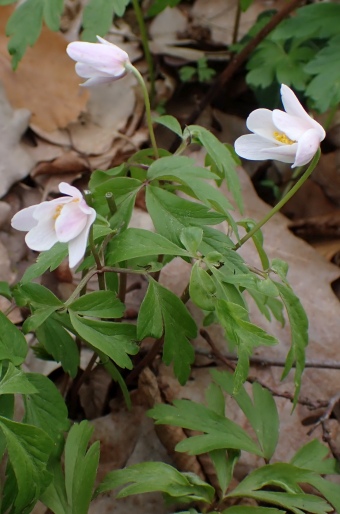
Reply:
x=282, y=202
x=142, y=84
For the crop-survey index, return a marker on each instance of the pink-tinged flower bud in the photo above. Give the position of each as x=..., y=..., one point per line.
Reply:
x=291, y=136
x=99, y=63
x=66, y=220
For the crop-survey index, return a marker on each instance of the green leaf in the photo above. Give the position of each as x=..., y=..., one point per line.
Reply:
x=171, y=123
x=312, y=456
x=170, y=213
x=80, y=467
x=46, y=260
x=136, y=242
x=258, y=242
x=54, y=496
x=116, y=340
x=99, y=304
x=191, y=238
x=16, y=381
x=159, y=5
x=13, y=345
x=123, y=190
x=221, y=158
x=28, y=449
x=98, y=15
x=286, y=477
x=38, y=295
x=325, y=93
x=5, y=290
x=59, y=343
x=202, y=288
x=314, y=20
x=46, y=409
x=148, y=477
x=179, y=169
x=24, y=25
x=243, y=334
x=162, y=311
x=243, y=509
x=219, y=432
x=299, y=329
x=37, y=319
x=260, y=411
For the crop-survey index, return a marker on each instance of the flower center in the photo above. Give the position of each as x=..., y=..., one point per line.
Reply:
x=281, y=136
x=58, y=210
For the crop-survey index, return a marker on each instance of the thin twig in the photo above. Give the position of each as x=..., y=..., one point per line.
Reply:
x=251, y=379
x=327, y=414
x=146, y=361
x=238, y=59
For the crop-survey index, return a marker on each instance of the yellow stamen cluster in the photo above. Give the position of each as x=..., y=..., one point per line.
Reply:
x=58, y=210
x=281, y=136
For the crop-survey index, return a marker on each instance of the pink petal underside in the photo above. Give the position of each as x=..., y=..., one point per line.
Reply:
x=70, y=223
x=261, y=123
x=85, y=208
x=290, y=125
x=24, y=219
x=294, y=108
x=77, y=247
x=307, y=147
x=85, y=71
x=107, y=58
x=42, y=237
x=67, y=189
x=257, y=148
x=98, y=81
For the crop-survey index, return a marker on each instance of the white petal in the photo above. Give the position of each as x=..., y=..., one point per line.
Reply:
x=260, y=122
x=49, y=210
x=77, y=247
x=85, y=208
x=292, y=106
x=256, y=148
x=24, y=219
x=98, y=81
x=86, y=71
x=70, y=223
x=282, y=153
x=290, y=125
x=107, y=58
x=307, y=147
x=42, y=237
x=67, y=189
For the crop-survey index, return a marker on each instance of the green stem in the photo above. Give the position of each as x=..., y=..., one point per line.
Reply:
x=282, y=202
x=296, y=174
x=101, y=277
x=141, y=82
x=145, y=43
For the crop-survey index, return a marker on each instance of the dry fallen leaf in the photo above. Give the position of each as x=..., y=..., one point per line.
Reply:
x=15, y=162
x=45, y=82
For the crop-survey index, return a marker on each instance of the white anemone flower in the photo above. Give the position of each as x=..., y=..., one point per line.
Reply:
x=291, y=136
x=66, y=220
x=98, y=62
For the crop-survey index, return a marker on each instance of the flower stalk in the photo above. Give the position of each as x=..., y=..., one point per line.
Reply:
x=282, y=202
x=137, y=74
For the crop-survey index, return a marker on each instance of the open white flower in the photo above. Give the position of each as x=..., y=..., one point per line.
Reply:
x=98, y=62
x=291, y=136
x=66, y=220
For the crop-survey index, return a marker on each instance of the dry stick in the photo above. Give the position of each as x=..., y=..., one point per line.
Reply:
x=146, y=361
x=240, y=58
x=251, y=379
